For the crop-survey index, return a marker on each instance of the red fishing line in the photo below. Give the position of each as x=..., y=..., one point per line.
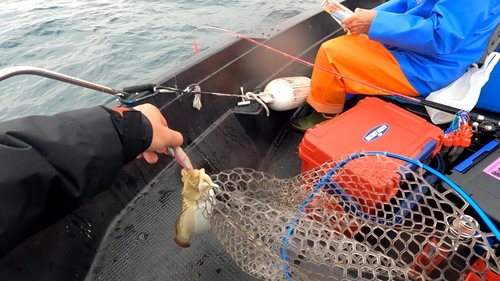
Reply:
x=305, y=62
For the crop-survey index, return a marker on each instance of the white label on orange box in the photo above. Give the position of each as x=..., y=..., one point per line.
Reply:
x=376, y=133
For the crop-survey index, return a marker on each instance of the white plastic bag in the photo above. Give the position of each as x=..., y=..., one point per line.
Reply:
x=464, y=92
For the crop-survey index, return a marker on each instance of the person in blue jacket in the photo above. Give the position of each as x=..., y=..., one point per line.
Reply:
x=412, y=47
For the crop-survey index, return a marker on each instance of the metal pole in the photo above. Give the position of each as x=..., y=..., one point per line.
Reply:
x=26, y=70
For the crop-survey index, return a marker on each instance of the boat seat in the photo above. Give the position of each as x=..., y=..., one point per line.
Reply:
x=486, y=100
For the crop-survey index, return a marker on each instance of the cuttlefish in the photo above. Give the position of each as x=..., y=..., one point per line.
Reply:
x=198, y=197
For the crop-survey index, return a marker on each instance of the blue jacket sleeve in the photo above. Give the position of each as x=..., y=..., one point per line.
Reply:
x=392, y=6
x=443, y=32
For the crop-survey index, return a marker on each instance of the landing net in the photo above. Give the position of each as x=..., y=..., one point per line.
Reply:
x=370, y=218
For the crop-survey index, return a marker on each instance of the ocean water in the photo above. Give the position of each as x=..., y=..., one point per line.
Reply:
x=116, y=43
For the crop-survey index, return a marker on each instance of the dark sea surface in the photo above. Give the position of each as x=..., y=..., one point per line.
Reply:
x=114, y=43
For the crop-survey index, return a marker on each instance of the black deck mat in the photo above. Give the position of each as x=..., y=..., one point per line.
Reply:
x=139, y=244
x=284, y=160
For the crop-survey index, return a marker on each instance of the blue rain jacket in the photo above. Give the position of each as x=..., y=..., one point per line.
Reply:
x=435, y=41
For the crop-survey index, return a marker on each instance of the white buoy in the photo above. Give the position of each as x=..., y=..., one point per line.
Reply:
x=286, y=93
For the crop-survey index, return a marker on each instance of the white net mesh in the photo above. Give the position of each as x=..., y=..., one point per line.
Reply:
x=374, y=219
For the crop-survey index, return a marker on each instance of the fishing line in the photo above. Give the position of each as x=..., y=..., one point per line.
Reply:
x=424, y=102
x=312, y=65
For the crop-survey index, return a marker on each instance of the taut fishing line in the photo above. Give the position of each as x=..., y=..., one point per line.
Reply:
x=312, y=65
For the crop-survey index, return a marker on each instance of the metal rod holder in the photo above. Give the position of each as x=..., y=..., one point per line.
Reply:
x=30, y=70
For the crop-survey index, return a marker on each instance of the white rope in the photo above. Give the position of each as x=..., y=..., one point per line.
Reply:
x=250, y=95
x=246, y=97
x=197, y=98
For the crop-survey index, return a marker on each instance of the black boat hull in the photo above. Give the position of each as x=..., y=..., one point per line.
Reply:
x=218, y=137
x=126, y=232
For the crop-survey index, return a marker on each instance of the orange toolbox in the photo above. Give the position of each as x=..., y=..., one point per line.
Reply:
x=372, y=125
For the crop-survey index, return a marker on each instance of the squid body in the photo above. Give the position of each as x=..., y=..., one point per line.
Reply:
x=198, y=196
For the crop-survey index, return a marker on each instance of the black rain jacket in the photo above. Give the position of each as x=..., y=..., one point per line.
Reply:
x=50, y=165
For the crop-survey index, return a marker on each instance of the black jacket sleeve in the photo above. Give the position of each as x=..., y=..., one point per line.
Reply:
x=50, y=165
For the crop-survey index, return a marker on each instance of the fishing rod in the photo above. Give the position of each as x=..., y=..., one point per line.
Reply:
x=134, y=94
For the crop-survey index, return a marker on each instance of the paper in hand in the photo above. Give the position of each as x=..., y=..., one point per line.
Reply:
x=338, y=11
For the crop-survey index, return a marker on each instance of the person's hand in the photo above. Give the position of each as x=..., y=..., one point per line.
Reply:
x=163, y=136
x=360, y=22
